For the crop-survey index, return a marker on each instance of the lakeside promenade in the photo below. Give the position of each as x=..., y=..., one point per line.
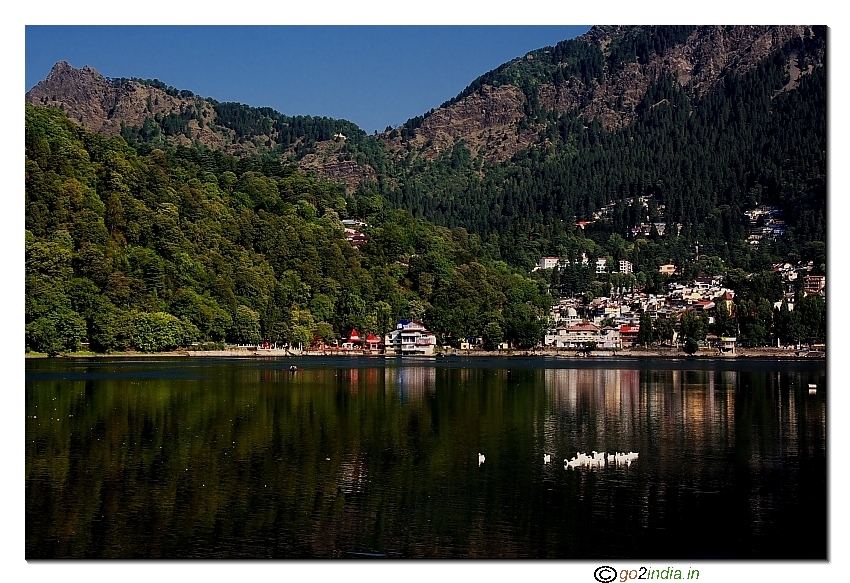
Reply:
x=601, y=354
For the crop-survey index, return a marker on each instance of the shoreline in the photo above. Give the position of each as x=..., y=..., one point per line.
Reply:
x=452, y=352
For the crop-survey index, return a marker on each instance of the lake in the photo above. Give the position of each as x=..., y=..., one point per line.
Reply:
x=372, y=457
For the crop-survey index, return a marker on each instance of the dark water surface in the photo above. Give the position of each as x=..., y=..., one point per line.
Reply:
x=360, y=457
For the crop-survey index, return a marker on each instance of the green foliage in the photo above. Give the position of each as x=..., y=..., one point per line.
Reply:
x=158, y=331
x=691, y=346
x=646, y=334
x=56, y=332
x=693, y=325
x=246, y=326
x=492, y=336
x=232, y=248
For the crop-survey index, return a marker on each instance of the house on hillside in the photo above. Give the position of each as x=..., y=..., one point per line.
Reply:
x=356, y=238
x=609, y=337
x=815, y=283
x=629, y=334
x=601, y=265
x=546, y=263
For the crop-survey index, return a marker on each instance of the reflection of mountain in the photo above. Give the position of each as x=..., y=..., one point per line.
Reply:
x=411, y=382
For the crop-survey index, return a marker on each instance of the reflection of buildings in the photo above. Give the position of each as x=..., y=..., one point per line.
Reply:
x=357, y=378
x=607, y=407
x=411, y=382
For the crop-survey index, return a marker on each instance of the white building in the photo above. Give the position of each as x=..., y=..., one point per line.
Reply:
x=601, y=265
x=410, y=338
x=625, y=266
x=546, y=263
x=576, y=336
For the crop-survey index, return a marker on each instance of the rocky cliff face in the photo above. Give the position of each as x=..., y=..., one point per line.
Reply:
x=703, y=60
x=486, y=121
x=328, y=162
x=101, y=106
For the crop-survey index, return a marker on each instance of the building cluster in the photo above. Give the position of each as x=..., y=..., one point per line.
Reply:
x=615, y=322
x=790, y=274
x=766, y=224
x=644, y=228
x=408, y=339
x=352, y=232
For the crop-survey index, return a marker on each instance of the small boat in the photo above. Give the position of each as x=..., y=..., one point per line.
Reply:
x=293, y=368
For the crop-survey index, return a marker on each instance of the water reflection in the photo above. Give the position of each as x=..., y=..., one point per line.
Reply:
x=341, y=459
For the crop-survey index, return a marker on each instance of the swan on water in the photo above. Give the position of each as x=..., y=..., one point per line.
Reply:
x=480, y=458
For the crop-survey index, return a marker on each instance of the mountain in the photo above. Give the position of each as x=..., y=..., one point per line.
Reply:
x=707, y=121
x=604, y=75
x=149, y=111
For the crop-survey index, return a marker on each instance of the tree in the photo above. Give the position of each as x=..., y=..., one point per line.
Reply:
x=693, y=325
x=691, y=346
x=523, y=327
x=56, y=332
x=663, y=330
x=646, y=334
x=789, y=325
x=300, y=336
x=154, y=332
x=724, y=324
x=492, y=336
x=246, y=326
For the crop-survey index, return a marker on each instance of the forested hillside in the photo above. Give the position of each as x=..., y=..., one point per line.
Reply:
x=155, y=250
x=704, y=153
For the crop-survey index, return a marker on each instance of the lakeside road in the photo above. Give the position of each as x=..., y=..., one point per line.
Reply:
x=562, y=353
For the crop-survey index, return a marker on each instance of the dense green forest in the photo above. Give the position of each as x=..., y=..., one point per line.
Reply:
x=158, y=249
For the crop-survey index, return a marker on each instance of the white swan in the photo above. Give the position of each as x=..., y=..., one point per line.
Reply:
x=480, y=458
x=546, y=458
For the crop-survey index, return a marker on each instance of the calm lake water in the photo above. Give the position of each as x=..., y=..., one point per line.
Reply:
x=367, y=457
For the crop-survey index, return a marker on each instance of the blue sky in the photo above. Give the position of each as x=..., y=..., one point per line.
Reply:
x=374, y=76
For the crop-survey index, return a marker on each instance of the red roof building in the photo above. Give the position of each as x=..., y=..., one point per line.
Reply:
x=373, y=342
x=629, y=334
